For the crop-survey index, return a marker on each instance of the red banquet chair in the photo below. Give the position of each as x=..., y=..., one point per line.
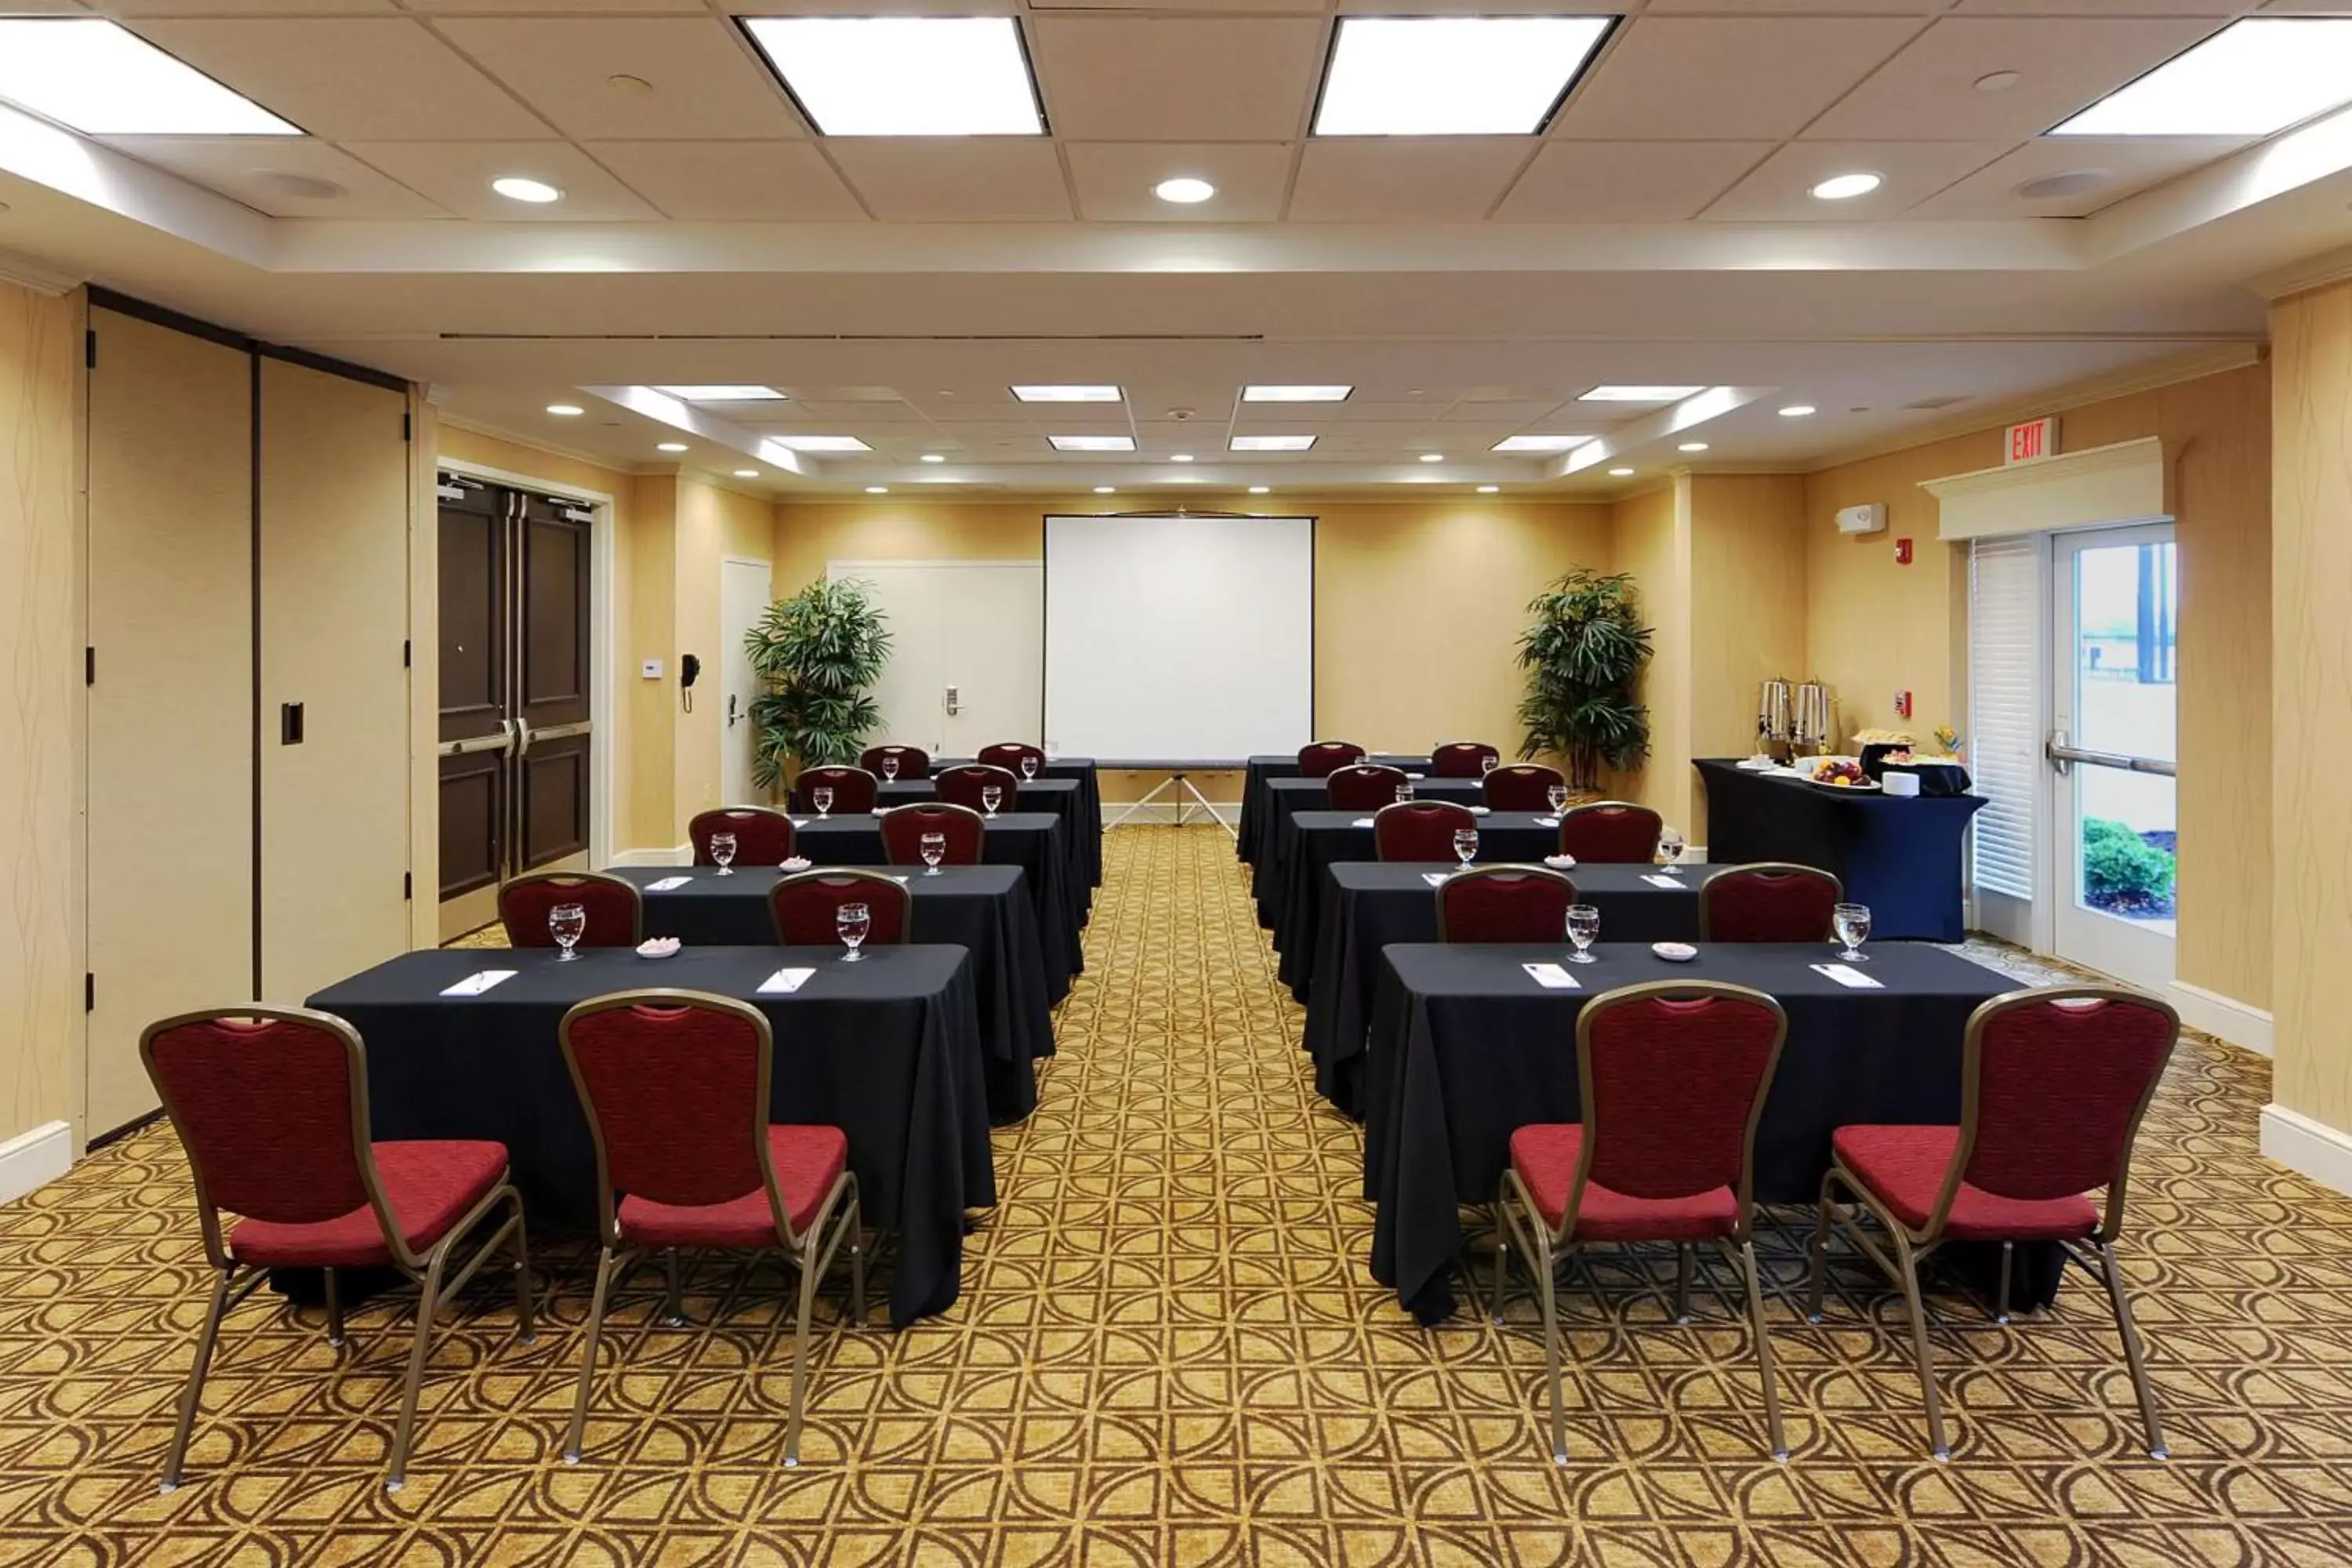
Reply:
x=1462, y=759
x=1319, y=759
x=914, y=763
x=1419, y=829
x=763, y=835
x=1010, y=754
x=1770, y=900
x=616, y=908
x=272, y=1105
x=1672, y=1077
x=803, y=906
x=855, y=791
x=674, y=1086
x=962, y=785
x=1611, y=833
x=1362, y=786
x=2053, y=1084
x=903, y=829
x=1504, y=904
x=1521, y=786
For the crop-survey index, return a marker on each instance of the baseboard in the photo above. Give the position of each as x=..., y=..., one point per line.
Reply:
x=682, y=855
x=35, y=1159
x=1163, y=813
x=2314, y=1148
x=2223, y=1018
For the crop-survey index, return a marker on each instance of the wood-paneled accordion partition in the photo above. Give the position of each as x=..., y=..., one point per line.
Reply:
x=249, y=543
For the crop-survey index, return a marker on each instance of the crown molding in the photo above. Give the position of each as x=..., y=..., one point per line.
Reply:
x=536, y=444
x=2302, y=276
x=28, y=273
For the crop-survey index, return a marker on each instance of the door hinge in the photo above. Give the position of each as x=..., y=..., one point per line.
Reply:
x=407, y=886
x=90, y=667
x=89, y=992
x=408, y=427
x=90, y=348
x=405, y=646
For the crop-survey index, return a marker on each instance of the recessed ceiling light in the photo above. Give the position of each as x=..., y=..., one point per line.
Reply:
x=1620, y=473
x=747, y=473
x=877, y=489
x=934, y=458
x=1796, y=411
x=1105, y=489
x=1998, y=81
x=1539, y=443
x=1845, y=187
x=1184, y=190
x=1270, y=443
x=1092, y=443
x=1260, y=489
x=820, y=444
x=723, y=393
x=1622, y=394
x=1296, y=393
x=1692, y=447
x=1488, y=489
x=564, y=410
x=2249, y=79
x=904, y=76
x=1452, y=76
x=96, y=78
x=518, y=188
x=1066, y=393
x=1433, y=457
x=1180, y=456
x=669, y=446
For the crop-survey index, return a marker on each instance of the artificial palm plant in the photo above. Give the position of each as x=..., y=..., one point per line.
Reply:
x=818, y=652
x=1583, y=657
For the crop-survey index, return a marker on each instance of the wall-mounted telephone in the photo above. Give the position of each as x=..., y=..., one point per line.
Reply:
x=689, y=668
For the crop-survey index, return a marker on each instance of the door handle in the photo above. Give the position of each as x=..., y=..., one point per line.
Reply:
x=731, y=714
x=522, y=737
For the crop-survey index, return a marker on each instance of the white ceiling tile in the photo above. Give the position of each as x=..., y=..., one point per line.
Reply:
x=349, y=80
x=1114, y=180
x=1928, y=92
x=704, y=85
x=955, y=179
x=1684, y=78
x=2130, y=165
x=1157, y=78
x=1400, y=179
x=2133, y=7
x=1219, y=7
x=722, y=182
x=457, y=175
x=1628, y=182
x=1779, y=190
x=552, y=7
x=128, y=8
x=254, y=170
x=1803, y=8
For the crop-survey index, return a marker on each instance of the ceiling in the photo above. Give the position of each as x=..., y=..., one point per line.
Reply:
x=1660, y=229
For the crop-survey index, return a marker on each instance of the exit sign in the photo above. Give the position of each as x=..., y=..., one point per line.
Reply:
x=2037, y=438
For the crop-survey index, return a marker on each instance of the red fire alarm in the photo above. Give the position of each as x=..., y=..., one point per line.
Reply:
x=1903, y=552
x=1903, y=705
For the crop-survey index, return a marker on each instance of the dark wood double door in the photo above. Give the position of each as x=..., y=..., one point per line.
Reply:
x=516, y=656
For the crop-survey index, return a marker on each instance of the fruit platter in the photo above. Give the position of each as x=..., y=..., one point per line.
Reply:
x=1838, y=772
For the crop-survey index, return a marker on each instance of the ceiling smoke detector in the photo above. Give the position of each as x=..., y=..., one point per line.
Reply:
x=309, y=187
x=2069, y=182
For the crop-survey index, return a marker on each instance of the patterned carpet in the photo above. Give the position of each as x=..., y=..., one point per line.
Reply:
x=1169, y=1350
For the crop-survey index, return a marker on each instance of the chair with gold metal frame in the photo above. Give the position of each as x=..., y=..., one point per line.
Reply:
x=1462, y=759
x=962, y=785
x=1317, y=759
x=1419, y=829
x=2053, y=1085
x=1767, y=900
x=895, y=763
x=1504, y=904
x=763, y=835
x=1611, y=833
x=1519, y=786
x=1362, y=786
x=615, y=907
x=804, y=906
x=855, y=791
x=271, y=1106
x=903, y=827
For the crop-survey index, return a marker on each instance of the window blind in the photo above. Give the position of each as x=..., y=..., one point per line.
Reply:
x=2005, y=620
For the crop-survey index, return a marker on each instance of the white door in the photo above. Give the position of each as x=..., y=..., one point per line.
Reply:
x=744, y=597
x=967, y=664
x=2115, y=643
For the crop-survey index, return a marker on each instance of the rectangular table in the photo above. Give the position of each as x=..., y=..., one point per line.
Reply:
x=1085, y=774
x=1029, y=840
x=983, y=908
x=1465, y=1047
x=1900, y=856
x=1063, y=798
x=888, y=1050
x=1263, y=769
x=1310, y=842
x=1369, y=905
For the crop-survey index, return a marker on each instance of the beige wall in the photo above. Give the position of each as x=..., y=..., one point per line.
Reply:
x=709, y=524
x=41, y=615
x=1746, y=609
x=1651, y=542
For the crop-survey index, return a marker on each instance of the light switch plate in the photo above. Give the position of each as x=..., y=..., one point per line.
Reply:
x=651, y=669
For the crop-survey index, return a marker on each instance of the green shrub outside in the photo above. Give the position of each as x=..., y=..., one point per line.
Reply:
x=2120, y=866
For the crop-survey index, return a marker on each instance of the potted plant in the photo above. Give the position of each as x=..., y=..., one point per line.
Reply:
x=818, y=653
x=1583, y=657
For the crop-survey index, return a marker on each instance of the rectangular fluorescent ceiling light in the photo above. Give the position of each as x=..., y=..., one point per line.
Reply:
x=723, y=393
x=2249, y=79
x=1452, y=76
x=1066, y=393
x=1296, y=393
x=904, y=76
x=821, y=443
x=94, y=77
x=1092, y=443
x=1539, y=443
x=1639, y=394
x=1270, y=443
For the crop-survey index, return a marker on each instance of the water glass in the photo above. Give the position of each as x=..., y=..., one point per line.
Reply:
x=1558, y=794
x=1405, y=792
x=820, y=797
x=1671, y=844
x=567, y=923
x=1851, y=924
x=851, y=922
x=1465, y=846
x=991, y=797
x=1028, y=765
x=935, y=849
x=890, y=767
x=723, y=853
x=1583, y=930
x=1487, y=761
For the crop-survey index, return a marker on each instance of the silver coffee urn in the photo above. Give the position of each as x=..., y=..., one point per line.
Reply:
x=1810, y=731
x=1773, y=717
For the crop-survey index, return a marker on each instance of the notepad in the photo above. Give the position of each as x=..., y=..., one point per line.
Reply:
x=1547, y=822
x=481, y=980
x=784, y=982
x=1551, y=976
x=1848, y=975
x=896, y=878
x=1666, y=881
x=1362, y=822
x=800, y=822
x=1436, y=879
x=666, y=883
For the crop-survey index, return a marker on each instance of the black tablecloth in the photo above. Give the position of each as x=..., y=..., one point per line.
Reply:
x=1265, y=767
x=888, y=1050
x=1369, y=905
x=985, y=909
x=1308, y=842
x=1064, y=799
x=1465, y=1047
x=1900, y=856
x=1029, y=840
x=1083, y=772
